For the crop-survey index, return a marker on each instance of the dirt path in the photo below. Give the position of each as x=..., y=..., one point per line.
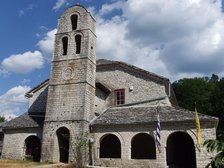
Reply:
x=57, y=165
x=24, y=164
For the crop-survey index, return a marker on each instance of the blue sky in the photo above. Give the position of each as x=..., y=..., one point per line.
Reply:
x=175, y=38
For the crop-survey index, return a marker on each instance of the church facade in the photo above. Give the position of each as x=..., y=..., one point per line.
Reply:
x=115, y=103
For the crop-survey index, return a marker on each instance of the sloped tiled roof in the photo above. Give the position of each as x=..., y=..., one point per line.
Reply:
x=26, y=120
x=146, y=115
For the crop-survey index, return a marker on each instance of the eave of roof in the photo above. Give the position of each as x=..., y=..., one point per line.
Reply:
x=38, y=87
x=103, y=86
x=147, y=115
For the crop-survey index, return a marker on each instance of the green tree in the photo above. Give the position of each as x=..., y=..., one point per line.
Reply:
x=189, y=91
x=207, y=93
x=215, y=146
x=214, y=78
x=2, y=119
x=217, y=98
x=217, y=101
x=80, y=146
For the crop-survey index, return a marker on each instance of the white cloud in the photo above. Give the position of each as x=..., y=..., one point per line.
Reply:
x=92, y=10
x=23, y=63
x=21, y=12
x=59, y=4
x=25, y=81
x=46, y=44
x=13, y=102
x=174, y=38
x=4, y=73
x=108, y=8
x=30, y=7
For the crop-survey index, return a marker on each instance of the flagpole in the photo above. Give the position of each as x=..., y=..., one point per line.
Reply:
x=198, y=128
x=158, y=128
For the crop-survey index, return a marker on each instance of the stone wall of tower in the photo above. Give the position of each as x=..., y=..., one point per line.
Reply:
x=71, y=89
x=67, y=98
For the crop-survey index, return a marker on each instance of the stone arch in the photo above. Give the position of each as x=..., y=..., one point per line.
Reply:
x=143, y=147
x=64, y=41
x=74, y=21
x=180, y=151
x=33, y=148
x=78, y=43
x=62, y=140
x=110, y=146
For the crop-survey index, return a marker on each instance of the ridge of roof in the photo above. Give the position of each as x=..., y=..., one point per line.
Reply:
x=104, y=62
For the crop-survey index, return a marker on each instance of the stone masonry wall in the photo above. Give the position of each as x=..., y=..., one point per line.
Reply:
x=87, y=45
x=14, y=142
x=102, y=101
x=143, y=88
x=85, y=20
x=51, y=152
x=125, y=136
x=65, y=103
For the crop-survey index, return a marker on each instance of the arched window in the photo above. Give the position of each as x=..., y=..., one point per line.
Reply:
x=65, y=45
x=74, y=21
x=143, y=147
x=33, y=146
x=78, y=43
x=110, y=147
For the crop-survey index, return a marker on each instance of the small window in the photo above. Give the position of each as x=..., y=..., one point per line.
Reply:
x=65, y=45
x=78, y=43
x=119, y=96
x=74, y=20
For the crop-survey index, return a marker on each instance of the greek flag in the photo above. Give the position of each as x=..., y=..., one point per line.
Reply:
x=158, y=132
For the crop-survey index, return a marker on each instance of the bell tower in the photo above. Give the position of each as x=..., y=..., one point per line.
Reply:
x=71, y=90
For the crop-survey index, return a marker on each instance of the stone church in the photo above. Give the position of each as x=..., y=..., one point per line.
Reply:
x=115, y=103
